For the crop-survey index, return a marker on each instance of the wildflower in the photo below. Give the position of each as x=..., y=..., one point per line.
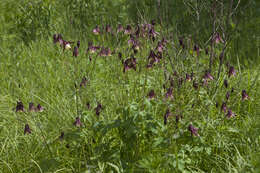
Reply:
x=39, y=108
x=119, y=28
x=181, y=43
x=188, y=77
x=207, y=76
x=227, y=95
x=217, y=38
x=166, y=115
x=108, y=28
x=193, y=130
x=129, y=63
x=232, y=90
x=20, y=107
x=231, y=71
x=197, y=49
x=88, y=105
x=27, y=129
x=230, y=113
x=105, y=52
x=75, y=51
x=83, y=82
x=98, y=109
x=224, y=107
x=128, y=29
x=32, y=108
x=244, y=95
x=96, y=30
x=151, y=94
x=77, y=122
x=153, y=22
x=61, y=137
x=195, y=85
x=169, y=92
x=55, y=38
x=225, y=83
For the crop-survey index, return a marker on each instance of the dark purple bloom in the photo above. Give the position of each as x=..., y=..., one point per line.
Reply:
x=224, y=107
x=32, y=108
x=98, y=109
x=55, y=38
x=83, y=82
x=151, y=94
x=77, y=122
x=129, y=63
x=217, y=38
x=39, y=108
x=193, y=130
x=96, y=30
x=75, y=51
x=232, y=90
x=217, y=105
x=20, y=107
x=105, y=52
x=197, y=49
x=27, y=129
x=166, y=115
x=227, y=95
x=207, y=76
x=120, y=28
x=225, y=83
x=195, y=85
x=244, y=95
x=108, y=29
x=231, y=71
x=169, y=93
x=128, y=29
x=181, y=43
x=88, y=105
x=230, y=113
x=188, y=77
x=61, y=137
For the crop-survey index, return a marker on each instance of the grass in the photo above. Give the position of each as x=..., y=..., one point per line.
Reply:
x=129, y=134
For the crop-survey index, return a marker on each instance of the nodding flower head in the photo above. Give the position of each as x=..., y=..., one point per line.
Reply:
x=77, y=122
x=166, y=115
x=169, y=93
x=193, y=130
x=207, y=76
x=231, y=71
x=55, y=38
x=151, y=94
x=27, y=129
x=61, y=137
x=108, y=29
x=32, y=108
x=83, y=82
x=120, y=28
x=225, y=83
x=197, y=49
x=218, y=39
x=20, y=107
x=244, y=95
x=105, y=52
x=129, y=63
x=188, y=77
x=230, y=113
x=96, y=30
x=128, y=29
x=39, y=108
x=75, y=51
x=227, y=95
x=224, y=107
x=98, y=109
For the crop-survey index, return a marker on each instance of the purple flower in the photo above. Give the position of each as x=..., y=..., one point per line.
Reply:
x=129, y=63
x=169, y=93
x=83, y=82
x=61, y=137
x=32, y=108
x=166, y=115
x=108, y=29
x=181, y=43
x=197, y=49
x=55, y=38
x=207, y=76
x=151, y=94
x=225, y=83
x=188, y=77
x=217, y=38
x=128, y=29
x=119, y=28
x=244, y=95
x=193, y=130
x=98, y=109
x=96, y=30
x=27, y=129
x=230, y=113
x=75, y=51
x=227, y=95
x=195, y=85
x=20, y=107
x=39, y=108
x=105, y=52
x=231, y=71
x=224, y=107
x=77, y=122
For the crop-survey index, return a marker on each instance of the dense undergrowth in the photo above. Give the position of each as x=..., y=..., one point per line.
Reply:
x=136, y=97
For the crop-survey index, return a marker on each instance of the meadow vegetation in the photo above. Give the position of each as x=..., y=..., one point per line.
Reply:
x=129, y=86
